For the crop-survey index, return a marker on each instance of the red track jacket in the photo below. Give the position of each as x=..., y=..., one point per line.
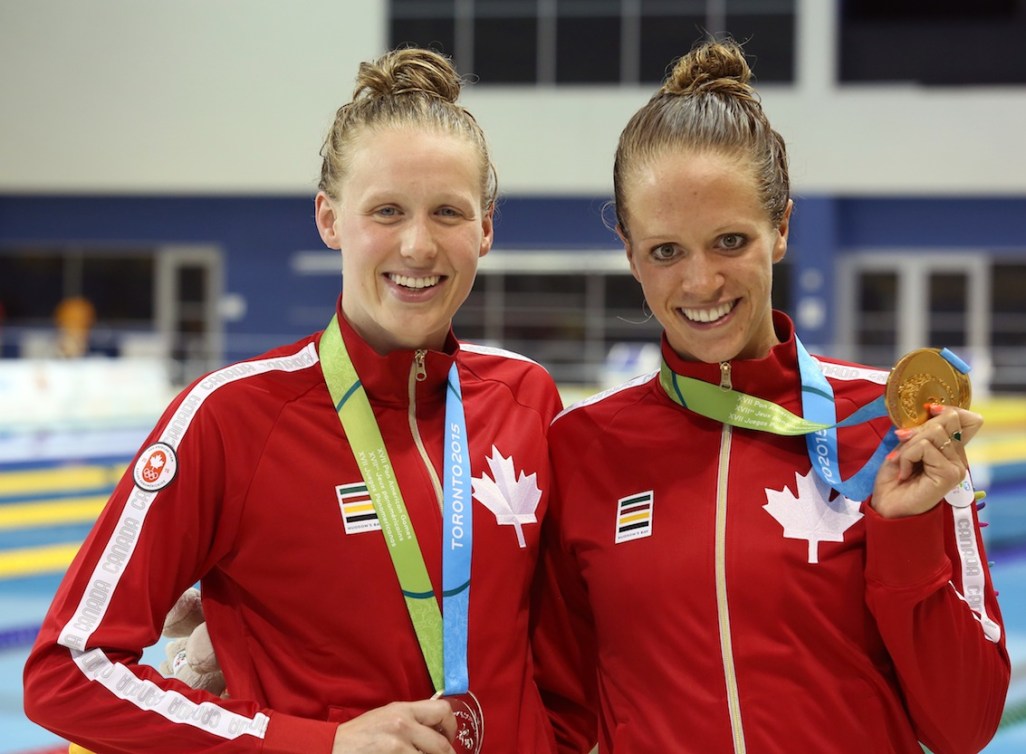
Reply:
x=718, y=601
x=300, y=595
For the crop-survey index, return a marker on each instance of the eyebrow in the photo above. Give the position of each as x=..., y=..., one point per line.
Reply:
x=392, y=197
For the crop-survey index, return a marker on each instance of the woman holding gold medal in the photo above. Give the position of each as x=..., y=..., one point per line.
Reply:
x=741, y=553
x=325, y=490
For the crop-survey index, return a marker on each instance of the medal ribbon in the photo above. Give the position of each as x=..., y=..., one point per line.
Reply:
x=364, y=435
x=459, y=527
x=818, y=404
x=819, y=425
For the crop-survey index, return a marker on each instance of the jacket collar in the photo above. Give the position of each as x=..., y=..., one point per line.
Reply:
x=386, y=378
x=774, y=377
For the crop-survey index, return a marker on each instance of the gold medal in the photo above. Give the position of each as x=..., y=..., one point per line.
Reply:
x=922, y=377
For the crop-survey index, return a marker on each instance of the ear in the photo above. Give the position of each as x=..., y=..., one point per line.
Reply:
x=325, y=216
x=488, y=226
x=629, y=250
x=780, y=247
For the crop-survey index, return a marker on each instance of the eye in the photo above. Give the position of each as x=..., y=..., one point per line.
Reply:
x=663, y=252
x=387, y=212
x=458, y=212
x=733, y=241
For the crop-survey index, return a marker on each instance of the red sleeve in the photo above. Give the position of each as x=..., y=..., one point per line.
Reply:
x=83, y=679
x=563, y=634
x=929, y=588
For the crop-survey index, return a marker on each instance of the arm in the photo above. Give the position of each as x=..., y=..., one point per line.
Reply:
x=83, y=679
x=564, y=651
x=929, y=588
x=563, y=637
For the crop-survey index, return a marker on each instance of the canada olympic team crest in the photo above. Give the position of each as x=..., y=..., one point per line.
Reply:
x=156, y=467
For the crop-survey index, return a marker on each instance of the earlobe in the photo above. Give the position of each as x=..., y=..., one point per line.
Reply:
x=780, y=248
x=634, y=267
x=324, y=216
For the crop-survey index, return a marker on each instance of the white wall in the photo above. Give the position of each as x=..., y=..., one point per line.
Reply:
x=175, y=95
x=215, y=96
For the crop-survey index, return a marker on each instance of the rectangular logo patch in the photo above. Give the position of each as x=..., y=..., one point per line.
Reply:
x=358, y=514
x=634, y=517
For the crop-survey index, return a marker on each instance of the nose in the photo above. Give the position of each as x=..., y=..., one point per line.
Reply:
x=418, y=243
x=701, y=277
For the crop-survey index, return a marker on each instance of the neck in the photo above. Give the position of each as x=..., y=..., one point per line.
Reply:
x=384, y=341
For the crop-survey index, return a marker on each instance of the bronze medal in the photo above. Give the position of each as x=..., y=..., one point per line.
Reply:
x=469, y=723
x=920, y=378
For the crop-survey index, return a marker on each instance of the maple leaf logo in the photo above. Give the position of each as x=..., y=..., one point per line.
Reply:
x=512, y=499
x=812, y=515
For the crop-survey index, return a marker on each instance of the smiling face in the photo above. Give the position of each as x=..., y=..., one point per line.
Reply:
x=409, y=222
x=703, y=246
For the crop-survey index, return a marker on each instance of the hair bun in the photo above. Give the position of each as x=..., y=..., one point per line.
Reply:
x=408, y=71
x=711, y=67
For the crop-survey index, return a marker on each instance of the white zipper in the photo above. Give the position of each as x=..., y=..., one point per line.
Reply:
x=418, y=373
x=722, y=608
x=725, y=383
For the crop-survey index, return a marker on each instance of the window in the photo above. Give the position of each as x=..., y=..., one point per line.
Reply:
x=1008, y=326
x=119, y=284
x=426, y=23
x=505, y=34
x=152, y=301
x=588, y=42
x=942, y=42
x=591, y=41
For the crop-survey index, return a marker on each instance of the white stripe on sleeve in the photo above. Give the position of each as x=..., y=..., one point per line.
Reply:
x=118, y=551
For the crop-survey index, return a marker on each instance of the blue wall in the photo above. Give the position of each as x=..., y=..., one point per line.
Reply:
x=258, y=235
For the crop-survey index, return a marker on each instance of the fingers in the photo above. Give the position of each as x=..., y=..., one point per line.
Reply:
x=185, y=615
x=928, y=463
x=437, y=714
x=943, y=460
x=937, y=447
x=948, y=427
x=425, y=726
x=958, y=420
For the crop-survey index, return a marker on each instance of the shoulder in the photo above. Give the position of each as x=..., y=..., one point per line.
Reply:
x=277, y=376
x=491, y=363
x=853, y=384
x=607, y=405
x=850, y=380
x=609, y=427
x=525, y=381
x=476, y=354
x=842, y=372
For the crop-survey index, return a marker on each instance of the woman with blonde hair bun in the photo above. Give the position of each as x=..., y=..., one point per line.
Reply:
x=741, y=553
x=361, y=508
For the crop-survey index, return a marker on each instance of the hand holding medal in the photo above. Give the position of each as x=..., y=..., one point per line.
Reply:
x=927, y=396
x=922, y=378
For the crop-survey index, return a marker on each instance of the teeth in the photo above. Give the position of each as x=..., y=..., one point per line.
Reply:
x=410, y=282
x=708, y=315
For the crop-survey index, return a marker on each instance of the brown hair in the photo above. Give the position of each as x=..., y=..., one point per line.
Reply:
x=706, y=105
x=407, y=87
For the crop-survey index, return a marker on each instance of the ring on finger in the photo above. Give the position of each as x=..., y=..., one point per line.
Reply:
x=945, y=444
x=957, y=435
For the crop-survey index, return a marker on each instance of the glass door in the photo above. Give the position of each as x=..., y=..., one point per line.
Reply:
x=189, y=286
x=892, y=303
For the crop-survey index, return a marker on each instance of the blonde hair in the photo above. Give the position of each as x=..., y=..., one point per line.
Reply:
x=706, y=104
x=408, y=87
